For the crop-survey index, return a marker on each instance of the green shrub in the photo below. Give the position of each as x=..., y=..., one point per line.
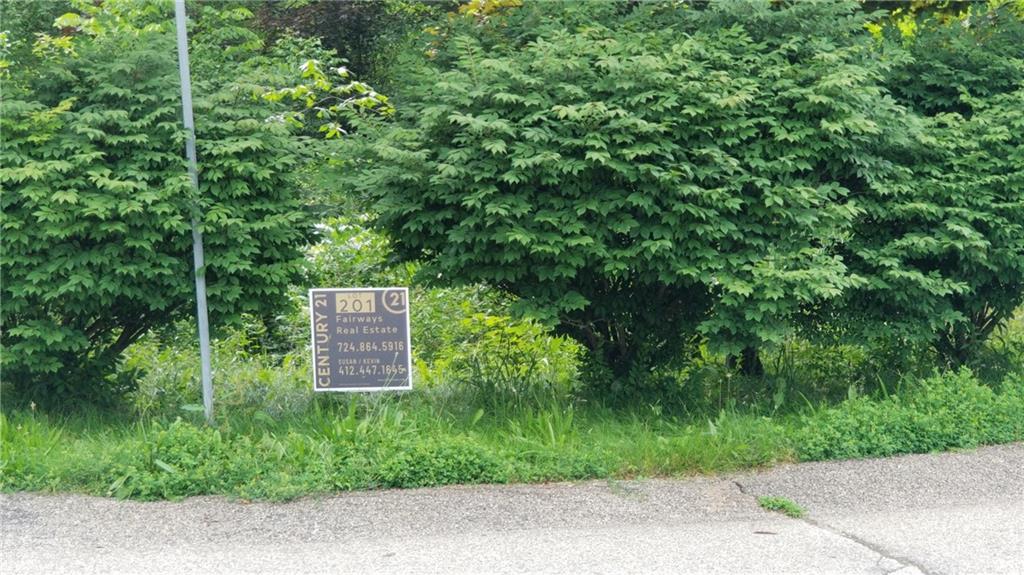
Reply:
x=945, y=411
x=437, y=316
x=504, y=364
x=166, y=376
x=96, y=243
x=639, y=175
x=350, y=254
x=940, y=249
x=441, y=462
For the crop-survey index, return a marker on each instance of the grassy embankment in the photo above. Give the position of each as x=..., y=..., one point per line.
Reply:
x=418, y=439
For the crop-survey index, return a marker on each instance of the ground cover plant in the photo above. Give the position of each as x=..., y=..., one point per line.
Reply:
x=409, y=443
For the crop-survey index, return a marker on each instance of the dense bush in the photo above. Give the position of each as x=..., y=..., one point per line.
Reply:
x=646, y=173
x=350, y=254
x=942, y=250
x=97, y=203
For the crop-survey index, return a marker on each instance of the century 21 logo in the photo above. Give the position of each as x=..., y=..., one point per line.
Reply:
x=394, y=301
x=321, y=340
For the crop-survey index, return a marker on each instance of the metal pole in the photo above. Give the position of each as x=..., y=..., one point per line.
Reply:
x=197, y=234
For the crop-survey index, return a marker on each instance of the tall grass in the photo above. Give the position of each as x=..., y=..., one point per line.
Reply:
x=410, y=440
x=365, y=443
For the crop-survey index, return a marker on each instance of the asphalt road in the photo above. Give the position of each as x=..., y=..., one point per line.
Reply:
x=948, y=513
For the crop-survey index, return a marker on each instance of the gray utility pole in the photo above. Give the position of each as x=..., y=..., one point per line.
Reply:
x=197, y=234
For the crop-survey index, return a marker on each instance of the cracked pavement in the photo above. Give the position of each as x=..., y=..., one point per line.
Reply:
x=931, y=514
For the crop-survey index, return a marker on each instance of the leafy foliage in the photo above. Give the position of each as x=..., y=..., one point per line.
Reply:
x=974, y=54
x=442, y=463
x=644, y=175
x=166, y=376
x=351, y=254
x=326, y=104
x=504, y=364
x=946, y=411
x=97, y=204
x=942, y=249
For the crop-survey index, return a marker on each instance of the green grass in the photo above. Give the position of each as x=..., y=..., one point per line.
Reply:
x=419, y=439
x=782, y=505
x=366, y=445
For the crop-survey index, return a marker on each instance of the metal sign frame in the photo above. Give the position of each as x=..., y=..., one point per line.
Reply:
x=331, y=339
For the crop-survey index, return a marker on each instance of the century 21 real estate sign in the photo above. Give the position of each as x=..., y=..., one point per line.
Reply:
x=360, y=339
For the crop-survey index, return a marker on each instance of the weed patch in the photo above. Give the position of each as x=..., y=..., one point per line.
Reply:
x=782, y=505
x=951, y=410
x=442, y=463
